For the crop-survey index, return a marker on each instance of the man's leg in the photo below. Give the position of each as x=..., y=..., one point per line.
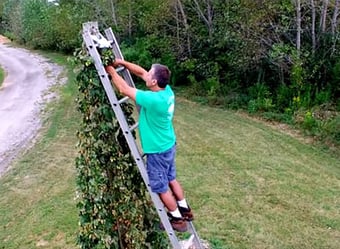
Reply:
x=177, y=221
x=183, y=207
x=176, y=190
x=169, y=201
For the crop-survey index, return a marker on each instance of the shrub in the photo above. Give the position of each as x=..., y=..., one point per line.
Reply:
x=305, y=120
x=279, y=117
x=236, y=100
x=323, y=96
x=331, y=130
x=330, y=122
x=309, y=122
x=37, y=28
x=252, y=106
x=66, y=22
x=12, y=20
x=284, y=96
x=261, y=100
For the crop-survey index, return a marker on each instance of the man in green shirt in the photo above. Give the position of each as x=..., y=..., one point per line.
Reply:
x=157, y=135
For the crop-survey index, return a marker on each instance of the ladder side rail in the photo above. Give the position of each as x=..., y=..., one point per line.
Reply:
x=127, y=76
x=129, y=138
x=196, y=241
x=118, y=54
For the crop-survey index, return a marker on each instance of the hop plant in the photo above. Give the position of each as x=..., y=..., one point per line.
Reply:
x=114, y=207
x=107, y=56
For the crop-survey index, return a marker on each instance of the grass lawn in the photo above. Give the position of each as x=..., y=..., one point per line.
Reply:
x=250, y=185
x=2, y=76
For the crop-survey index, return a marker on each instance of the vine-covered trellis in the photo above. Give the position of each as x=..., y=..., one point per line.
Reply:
x=114, y=207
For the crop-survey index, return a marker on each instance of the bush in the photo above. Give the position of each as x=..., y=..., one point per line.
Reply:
x=261, y=100
x=284, y=97
x=138, y=53
x=329, y=118
x=331, y=130
x=234, y=100
x=66, y=23
x=12, y=20
x=305, y=120
x=37, y=28
x=322, y=97
x=279, y=117
x=309, y=122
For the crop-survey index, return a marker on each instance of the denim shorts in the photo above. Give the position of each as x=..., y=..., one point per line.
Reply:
x=161, y=169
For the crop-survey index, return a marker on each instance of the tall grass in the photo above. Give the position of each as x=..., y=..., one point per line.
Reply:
x=250, y=186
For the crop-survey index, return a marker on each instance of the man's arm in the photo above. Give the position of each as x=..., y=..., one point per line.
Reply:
x=121, y=84
x=133, y=68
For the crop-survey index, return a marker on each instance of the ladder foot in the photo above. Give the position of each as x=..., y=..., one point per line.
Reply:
x=187, y=244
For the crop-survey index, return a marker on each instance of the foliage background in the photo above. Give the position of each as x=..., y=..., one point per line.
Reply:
x=254, y=55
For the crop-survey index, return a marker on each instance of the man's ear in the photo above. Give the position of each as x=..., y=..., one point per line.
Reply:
x=154, y=82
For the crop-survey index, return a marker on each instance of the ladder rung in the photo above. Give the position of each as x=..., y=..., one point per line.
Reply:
x=134, y=126
x=122, y=100
x=120, y=69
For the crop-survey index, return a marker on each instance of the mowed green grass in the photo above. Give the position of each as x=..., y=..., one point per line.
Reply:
x=254, y=187
x=250, y=185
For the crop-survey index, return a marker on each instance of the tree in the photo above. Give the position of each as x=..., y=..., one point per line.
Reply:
x=12, y=19
x=205, y=11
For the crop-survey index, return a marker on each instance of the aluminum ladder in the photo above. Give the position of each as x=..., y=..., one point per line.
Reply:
x=94, y=39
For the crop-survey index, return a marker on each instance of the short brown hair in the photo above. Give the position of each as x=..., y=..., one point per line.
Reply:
x=161, y=74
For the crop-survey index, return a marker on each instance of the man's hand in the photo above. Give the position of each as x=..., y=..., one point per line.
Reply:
x=133, y=68
x=117, y=63
x=120, y=83
x=110, y=70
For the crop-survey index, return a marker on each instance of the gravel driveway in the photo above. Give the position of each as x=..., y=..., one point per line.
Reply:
x=24, y=92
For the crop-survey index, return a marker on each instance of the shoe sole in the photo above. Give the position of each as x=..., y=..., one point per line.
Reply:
x=187, y=218
x=161, y=227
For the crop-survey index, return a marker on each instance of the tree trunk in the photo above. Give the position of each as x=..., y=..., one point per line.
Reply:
x=130, y=19
x=335, y=16
x=208, y=18
x=335, y=24
x=178, y=29
x=114, y=17
x=313, y=25
x=323, y=16
x=186, y=26
x=298, y=25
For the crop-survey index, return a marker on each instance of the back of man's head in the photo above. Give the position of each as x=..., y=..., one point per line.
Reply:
x=161, y=74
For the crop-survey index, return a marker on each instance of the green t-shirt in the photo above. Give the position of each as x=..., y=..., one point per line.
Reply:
x=155, y=119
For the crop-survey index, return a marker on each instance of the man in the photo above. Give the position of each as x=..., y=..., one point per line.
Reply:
x=157, y=135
